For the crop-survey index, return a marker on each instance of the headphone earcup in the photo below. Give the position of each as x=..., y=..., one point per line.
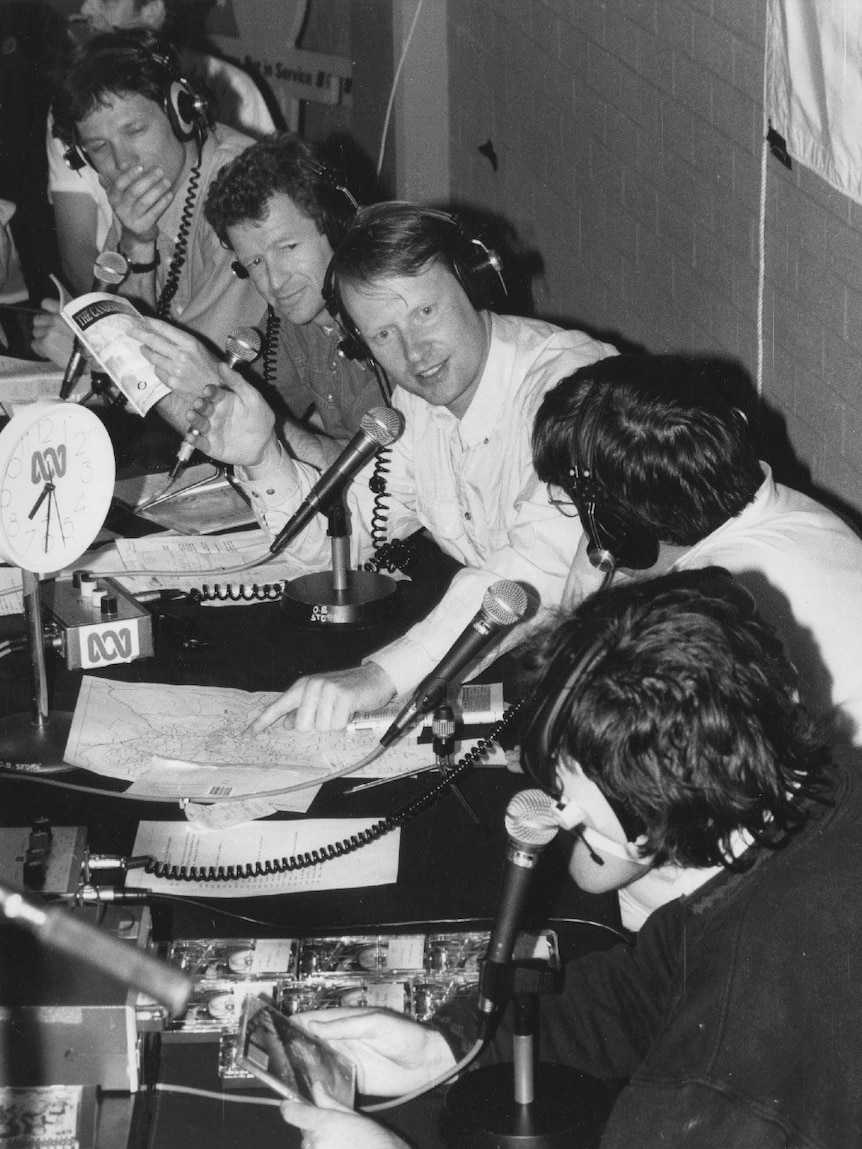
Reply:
x=186, y=110
x=75, y=158
x=480, y=273
x=616, y=539
x=352, y=346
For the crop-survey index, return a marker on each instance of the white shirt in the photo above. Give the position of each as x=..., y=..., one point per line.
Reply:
x=469, y=482
x=804, y=567
x=803, y=564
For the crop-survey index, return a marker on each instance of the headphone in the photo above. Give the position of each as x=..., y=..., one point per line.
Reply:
x=336, y=201
x=477, y=267
x=615, y=537
x=183, y=102
x=542, y=730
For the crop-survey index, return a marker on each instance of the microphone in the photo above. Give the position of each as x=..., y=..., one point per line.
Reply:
x=67, y=933
x=504, y=604
x=531, y=825
x=109, y=270
x=378, y=428
x=74, y=369
x=243, y=346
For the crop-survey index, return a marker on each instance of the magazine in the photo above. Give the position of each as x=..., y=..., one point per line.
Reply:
x=101, y=322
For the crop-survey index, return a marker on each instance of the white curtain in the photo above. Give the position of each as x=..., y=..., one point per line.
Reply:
x=814, y=85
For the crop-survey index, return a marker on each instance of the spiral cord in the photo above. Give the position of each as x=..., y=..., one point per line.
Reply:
x=270, y=347
x=178, y=259
x=303, y=861
x=377, y=485
x=230, y=592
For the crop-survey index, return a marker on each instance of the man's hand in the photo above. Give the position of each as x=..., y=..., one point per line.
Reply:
x=181, y=361
x=392, y=1053
x=328, y=701
x=139, y=198
x=52, y=339
x=236, y=424
x=325, y=1127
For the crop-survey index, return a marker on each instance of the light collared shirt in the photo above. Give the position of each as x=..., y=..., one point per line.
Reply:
x=470, y=483
x=803, y=564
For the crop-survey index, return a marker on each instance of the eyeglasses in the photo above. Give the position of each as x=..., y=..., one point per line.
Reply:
x=563, y=504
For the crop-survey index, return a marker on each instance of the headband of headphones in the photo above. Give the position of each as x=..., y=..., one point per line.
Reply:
x=476, y=266
x=186, y=105
x=615, y=538
x=549, y=714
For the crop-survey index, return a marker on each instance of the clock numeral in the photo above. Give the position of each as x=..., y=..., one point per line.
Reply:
x=13, y=526
x=16, y=464
x=46, y=430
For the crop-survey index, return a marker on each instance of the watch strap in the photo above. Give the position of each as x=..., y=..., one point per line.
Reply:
x=139, y=268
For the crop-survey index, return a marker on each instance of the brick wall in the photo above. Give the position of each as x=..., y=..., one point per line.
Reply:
x=628, y=138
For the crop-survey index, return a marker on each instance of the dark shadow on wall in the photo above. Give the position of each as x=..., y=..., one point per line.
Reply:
x=350, y=160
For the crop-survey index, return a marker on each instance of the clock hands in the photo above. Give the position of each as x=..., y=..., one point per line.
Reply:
x=46, y=491
x=57, y=509
x=49, y=492
x=48, y=516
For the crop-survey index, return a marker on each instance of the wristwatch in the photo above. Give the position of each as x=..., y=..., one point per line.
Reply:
x=139, y=268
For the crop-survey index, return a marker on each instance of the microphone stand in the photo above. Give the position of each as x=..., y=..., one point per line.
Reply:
x=35, y=742
x=443, y=745
x=525, y=1104
x=340, y=597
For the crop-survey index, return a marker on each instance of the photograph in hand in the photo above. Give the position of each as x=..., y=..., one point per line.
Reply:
x=289, y=1060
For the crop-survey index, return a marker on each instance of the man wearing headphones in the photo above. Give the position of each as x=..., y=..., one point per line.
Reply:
x=412, y=289
x=82, y=213
x=735, y=1019
x=281, y=211
x=661, y=469
x=125, y=107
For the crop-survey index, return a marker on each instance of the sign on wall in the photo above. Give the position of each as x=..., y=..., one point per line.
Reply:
x=814, y=86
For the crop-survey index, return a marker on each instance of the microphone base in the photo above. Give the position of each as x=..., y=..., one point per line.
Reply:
x=569, y=1111
x=369, y=600
x=33, y=748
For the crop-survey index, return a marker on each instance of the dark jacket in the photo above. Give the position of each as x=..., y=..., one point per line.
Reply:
x=736, y=1018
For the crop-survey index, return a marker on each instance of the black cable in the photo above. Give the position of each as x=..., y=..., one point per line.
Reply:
x=178, y=259
x=284, y=865
x=270, y=347
x=230, y=592
x=379, y=511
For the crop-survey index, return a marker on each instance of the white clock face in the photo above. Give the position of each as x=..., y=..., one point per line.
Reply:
x=56, y=483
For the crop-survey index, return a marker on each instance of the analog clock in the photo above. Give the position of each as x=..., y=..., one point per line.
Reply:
x=56, y=483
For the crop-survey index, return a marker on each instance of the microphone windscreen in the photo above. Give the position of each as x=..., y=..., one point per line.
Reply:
x=110, y=268
x=505, y=602
x=530, y=818
x=382, y=424
x=243, y=345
